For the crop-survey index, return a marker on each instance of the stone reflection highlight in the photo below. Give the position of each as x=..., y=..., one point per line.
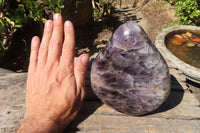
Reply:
x=130, y=74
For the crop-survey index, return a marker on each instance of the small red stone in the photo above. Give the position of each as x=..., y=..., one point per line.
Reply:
x=180, y=38
x=197, y=40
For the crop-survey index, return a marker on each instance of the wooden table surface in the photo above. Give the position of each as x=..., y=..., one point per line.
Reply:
x=179, y=114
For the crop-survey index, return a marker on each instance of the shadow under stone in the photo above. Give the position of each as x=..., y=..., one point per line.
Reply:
x=174, y=99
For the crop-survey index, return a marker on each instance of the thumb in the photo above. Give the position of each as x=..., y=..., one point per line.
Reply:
x=80, y=70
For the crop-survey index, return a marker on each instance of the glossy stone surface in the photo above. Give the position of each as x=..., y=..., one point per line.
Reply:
x=130, y=75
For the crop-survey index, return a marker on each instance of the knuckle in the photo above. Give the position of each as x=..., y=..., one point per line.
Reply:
x=69, y=45
x=33, y=59
x=43, y=49
x=55, y=40
x=80, y=69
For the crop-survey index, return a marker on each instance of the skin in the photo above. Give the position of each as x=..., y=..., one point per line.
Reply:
x=55, y=86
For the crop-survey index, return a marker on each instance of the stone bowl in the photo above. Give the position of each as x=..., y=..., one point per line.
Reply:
x=192, y=73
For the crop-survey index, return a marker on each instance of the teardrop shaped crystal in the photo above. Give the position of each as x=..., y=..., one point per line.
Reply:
x=129, y=74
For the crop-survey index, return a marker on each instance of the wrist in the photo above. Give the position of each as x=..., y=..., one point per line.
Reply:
x=32, y=125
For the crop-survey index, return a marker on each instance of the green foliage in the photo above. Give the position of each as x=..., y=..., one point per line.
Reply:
x=10, y=20
x=56, y=5
x=188, y=11
x=16, y=16
x=14, y=13
x=35, y=10
x=2, y=3
x=102, y=8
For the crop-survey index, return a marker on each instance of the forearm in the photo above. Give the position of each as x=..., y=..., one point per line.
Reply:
x=35, y=126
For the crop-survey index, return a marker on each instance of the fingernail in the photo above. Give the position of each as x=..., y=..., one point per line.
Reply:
x=48, y=23
x=68, y=23
x=34, y=39
x=57, y=16
x=85, y=59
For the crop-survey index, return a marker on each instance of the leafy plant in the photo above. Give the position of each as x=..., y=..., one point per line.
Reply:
x=35, y=10
x=102, y=8
x=55, y=5
x=188, y=11
x=14, y=13
x=10, y=20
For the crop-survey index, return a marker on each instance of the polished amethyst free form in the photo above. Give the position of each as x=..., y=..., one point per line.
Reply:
x=130, y=74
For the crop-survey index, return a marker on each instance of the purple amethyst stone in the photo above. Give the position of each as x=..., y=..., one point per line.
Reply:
x=130, y=74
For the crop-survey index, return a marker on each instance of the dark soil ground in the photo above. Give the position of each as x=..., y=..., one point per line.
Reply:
x=94, y=36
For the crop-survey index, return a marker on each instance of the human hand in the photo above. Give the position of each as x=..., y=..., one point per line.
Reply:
x=55, y=86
